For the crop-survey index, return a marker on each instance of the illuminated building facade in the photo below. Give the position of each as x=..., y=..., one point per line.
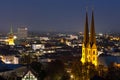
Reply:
x=29, y=76
x=89, y=47
x=38, y=46
x=22, y=32
x=9, y=59
x=11, y=37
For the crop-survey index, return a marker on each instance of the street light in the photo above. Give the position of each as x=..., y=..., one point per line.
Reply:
x=72, y=77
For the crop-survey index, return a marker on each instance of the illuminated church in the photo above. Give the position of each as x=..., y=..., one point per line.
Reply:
x=89, y=47
x=11, y=38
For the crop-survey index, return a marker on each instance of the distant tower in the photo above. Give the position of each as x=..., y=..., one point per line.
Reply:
x=89, y=47
x=22, y=32
x=11, y=37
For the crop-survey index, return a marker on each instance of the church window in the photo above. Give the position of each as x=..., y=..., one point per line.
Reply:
x=93, y=52
x=93, y=58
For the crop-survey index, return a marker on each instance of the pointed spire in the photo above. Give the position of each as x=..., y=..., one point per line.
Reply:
x=11, y=30
x=86, y=31
x=92, y=31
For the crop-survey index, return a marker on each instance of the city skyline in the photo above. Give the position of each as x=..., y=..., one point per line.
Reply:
x=59, y=15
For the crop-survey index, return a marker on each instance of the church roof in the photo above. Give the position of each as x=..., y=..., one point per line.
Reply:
x=20, y=72
x=30, y=70
x=92, y=38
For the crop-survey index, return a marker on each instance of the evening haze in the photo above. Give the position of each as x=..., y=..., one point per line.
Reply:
x=59, y=15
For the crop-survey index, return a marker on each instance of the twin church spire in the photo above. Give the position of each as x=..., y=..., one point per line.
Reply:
x=89, y=48
x=89, y=39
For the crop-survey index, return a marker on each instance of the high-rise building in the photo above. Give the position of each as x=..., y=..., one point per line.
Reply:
x=22, y=32
x=89, y=47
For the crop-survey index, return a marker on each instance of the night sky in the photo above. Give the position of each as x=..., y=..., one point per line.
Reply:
x=59, y=15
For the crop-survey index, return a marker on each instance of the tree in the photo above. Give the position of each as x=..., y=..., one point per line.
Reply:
x=37, y=67
x=92, y=69
x=76, y=70
x=27, y=58
x=113, y=73
x=83, y=71
x=1, y=78
x=56, y=70
x=102, y=71
x=96, y=77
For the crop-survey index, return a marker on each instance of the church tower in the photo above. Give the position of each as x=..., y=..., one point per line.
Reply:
x=85, y=41
x=89, y=47
x=11, y=37
x=93, y=46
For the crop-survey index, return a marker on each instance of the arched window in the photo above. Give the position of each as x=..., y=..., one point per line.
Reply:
x=93, y=58
x=93, y=52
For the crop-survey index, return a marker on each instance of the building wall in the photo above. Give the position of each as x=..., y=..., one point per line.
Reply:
x=22, y=32
x=10, y=59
